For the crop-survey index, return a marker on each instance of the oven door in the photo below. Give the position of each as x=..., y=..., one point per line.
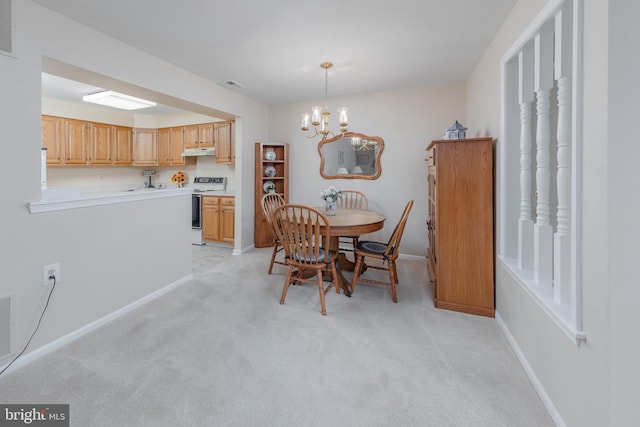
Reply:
x=196, y=211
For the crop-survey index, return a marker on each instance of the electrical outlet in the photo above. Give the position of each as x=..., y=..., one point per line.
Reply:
x=48, y=271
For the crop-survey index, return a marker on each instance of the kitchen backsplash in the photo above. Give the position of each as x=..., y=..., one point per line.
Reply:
x=122, y=178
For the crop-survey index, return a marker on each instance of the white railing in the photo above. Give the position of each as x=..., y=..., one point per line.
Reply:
x=545, y=258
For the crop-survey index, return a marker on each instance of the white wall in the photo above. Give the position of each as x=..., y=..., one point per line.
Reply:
x=624, y=212
x=575, y=379
x=110, y=255
x=407, y=120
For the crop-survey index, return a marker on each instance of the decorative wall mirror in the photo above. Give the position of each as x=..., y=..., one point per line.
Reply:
x=351, y=155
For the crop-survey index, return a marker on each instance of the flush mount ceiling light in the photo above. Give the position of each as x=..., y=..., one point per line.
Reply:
x=118, y=100
x=320, y=116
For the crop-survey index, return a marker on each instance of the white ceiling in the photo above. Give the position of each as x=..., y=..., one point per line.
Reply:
x=274, y=48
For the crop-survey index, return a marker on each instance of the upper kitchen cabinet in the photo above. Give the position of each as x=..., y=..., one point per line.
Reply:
x=198, y=136
x=122, y=145
x=224, y=142
x=145, y=147
x=87, y=143
x=99, y=144
x=78, y=142
x=171, y=146
x=52, y=137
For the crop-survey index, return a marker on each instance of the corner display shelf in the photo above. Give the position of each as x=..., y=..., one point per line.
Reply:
x=269, y=157
x=460, y=224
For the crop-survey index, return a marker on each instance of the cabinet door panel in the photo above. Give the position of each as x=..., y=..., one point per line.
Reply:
x=176, y=146
x=100, y=151
x=191, y=136
x=52, y=137
x=223, y=142
x=163, y=147
x=122, y=145
x=76, y=140
x=205, y=132
x=145, y=147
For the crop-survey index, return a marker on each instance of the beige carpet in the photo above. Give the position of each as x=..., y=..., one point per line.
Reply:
x=221, y=351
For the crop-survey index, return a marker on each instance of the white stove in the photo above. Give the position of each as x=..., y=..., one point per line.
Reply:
x=202, y=184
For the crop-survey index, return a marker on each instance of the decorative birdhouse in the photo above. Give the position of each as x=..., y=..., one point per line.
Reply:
x=456, y=131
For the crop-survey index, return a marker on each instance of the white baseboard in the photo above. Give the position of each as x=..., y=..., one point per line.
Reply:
x=72, y=336
x=546, y=400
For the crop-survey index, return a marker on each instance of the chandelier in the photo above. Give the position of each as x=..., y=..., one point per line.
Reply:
x=320, y=116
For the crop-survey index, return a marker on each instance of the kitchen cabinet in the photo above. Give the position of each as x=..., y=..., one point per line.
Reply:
x=79, y=142
x=198, y=136
x=77, y=134
x=460, y=224
x=218, y=218
x=99, y=149
x=224, y=142
x=52, y=138
x=121, y=145
x=263, y=236
x=163, y=147
x=171, y=146
x=145, y=147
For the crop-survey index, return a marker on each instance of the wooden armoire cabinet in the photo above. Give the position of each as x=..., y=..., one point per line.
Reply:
x=272, y=166
x=460, y=224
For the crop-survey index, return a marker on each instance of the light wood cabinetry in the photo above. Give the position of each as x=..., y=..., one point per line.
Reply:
x=52, y=139
x=122, y=145
x=218, y=218
x=176, y=146
x=263, y=236
x=198, y=136
x=460, y=224
x=73, y=142
x=171, y=146
x=100, y=144
x=76, y=140
x=163, y=146
x=224, y=142
x=145, y=147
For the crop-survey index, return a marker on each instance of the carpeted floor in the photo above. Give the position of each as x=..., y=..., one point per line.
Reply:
x=222, y=351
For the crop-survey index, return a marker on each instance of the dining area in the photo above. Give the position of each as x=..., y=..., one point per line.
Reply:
x=318, y=245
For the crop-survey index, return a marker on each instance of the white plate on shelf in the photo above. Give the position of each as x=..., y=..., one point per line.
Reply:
x=266, y=186
x=270, y=171
x=270, y=155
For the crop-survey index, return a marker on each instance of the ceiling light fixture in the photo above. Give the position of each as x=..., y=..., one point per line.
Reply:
x=362, y=144
x=320, y=116
x=118, y=100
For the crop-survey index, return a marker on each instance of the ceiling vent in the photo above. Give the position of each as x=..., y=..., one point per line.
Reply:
x=234, y=83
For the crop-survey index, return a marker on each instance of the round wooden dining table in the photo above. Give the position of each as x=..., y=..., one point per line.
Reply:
x=350, y=222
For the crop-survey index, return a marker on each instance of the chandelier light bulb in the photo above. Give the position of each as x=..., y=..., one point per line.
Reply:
x=320, y=116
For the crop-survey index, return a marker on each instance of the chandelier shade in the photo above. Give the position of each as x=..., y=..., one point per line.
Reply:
x=319, y=116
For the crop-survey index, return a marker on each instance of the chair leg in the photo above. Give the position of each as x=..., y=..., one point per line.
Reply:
x=321, y=291
x=393, y=279
x=287, y=283
x=356, y=272
x=395, y=272
x=273, y=257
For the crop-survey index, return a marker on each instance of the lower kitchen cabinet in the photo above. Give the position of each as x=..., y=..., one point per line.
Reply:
x=218, y=216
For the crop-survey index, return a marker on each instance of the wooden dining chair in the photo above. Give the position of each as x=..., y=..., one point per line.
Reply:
x=351, y=199
x=269, y=203
x=385, y=252
x=303, y=231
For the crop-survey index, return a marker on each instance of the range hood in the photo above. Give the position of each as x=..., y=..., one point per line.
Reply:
x=199, y=152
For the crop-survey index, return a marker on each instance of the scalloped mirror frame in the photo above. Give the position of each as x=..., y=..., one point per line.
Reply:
x=377, y=139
